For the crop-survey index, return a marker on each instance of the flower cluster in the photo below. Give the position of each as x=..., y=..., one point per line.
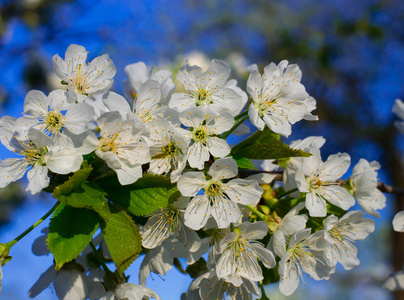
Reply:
x=181, y=181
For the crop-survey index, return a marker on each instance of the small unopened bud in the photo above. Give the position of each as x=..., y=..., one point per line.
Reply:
x=272, y=203
x=273, y=222
x=264, y=209
x=4, y=251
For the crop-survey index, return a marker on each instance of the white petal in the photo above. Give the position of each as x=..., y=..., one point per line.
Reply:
x=255, y=118
x=398, y=222
x=395, y=282
x=197, y=155
x=181, y=102
x=197, y=212
x=38, y=179
x=11, y=169
x=63, y=161
x=128, y=174
x=218, y=147
x=70, y=285
x=223, y=168
x=116, y=102
x=36, y=103
x=315, y=205
x=191, y=183
x=77, y=117
x=243, y=191
x=220, y=124
x=334, y=167
x=338, y=196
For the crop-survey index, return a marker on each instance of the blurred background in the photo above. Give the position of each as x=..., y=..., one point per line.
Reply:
x=351, y=54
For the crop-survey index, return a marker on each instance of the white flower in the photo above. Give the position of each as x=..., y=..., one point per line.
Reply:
x=209, y=286
x=288, y=178
x=53, y=113
x=395, y=282
x=169, y=222
x=168, y=150
x=69, y=285
x=39, y=154
x=206, y=90
x=317, y=180
x=240, y=253
x=120, y=145
x=130, y=291
x=364, y=185
x=342, y=233
x=203, y=133
x=398, y=109
x=219, y=199
x=139, y=73
x=84, y=80
x=301, y=256
x=398, y=221
x=278, y=98
x=147, y=106
x=290, y=223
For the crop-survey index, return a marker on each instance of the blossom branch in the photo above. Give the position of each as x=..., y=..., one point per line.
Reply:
x=383, y=187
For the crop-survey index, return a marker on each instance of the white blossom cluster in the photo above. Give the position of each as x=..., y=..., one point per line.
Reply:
x=158, y=130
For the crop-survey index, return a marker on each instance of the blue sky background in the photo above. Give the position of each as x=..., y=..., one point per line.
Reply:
x=164, y=32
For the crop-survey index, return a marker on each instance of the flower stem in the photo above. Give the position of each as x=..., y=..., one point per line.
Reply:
x=259, y=215
x=29, y=229
x=287, y=193
x=241, y=115
x=99, y=258
x=227, y=133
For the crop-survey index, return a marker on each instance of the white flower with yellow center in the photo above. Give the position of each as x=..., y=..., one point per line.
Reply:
x=206, y=90
x=39, y=154
x=52, y=114
x=84, y=80
x=168, y=150
x=364, y=186
x=279, y=99
x=219, y=199
x=341, y=235
x=209, y=286
x=169, y=222
x=241, y=254
x=120, y=145
x=147, y=106
x=204, y=131
x=318, y=180
x=301, y=255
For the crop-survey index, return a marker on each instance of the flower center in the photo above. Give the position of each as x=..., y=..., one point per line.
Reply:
x=200, y=134
x=34, y=156
x=54, y=121
x=202, y=97
x=213, y=190
x=107, y=143
x=79, y=82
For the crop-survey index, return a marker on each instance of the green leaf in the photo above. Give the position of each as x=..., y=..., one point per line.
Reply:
x=70, y=231
x=143, y=197
x=265, y=145
x=77, y=192
x=122, y=237
x=244, y=163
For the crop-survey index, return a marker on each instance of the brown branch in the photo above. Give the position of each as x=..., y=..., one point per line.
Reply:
x=385, y=188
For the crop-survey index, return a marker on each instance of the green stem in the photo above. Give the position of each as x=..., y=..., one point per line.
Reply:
x=44, y=217
x=259, y=215
x=241, y=115
x=100, y=259
x=227, y=133
x=263, y=295
x=286, y=193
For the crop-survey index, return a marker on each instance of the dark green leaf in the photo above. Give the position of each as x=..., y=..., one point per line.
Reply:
x=122, y=237
x=70, y=231
x=143, y=197
x=78, y=192
x=265, y=145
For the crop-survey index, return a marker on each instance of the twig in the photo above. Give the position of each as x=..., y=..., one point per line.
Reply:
x=385, y=188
